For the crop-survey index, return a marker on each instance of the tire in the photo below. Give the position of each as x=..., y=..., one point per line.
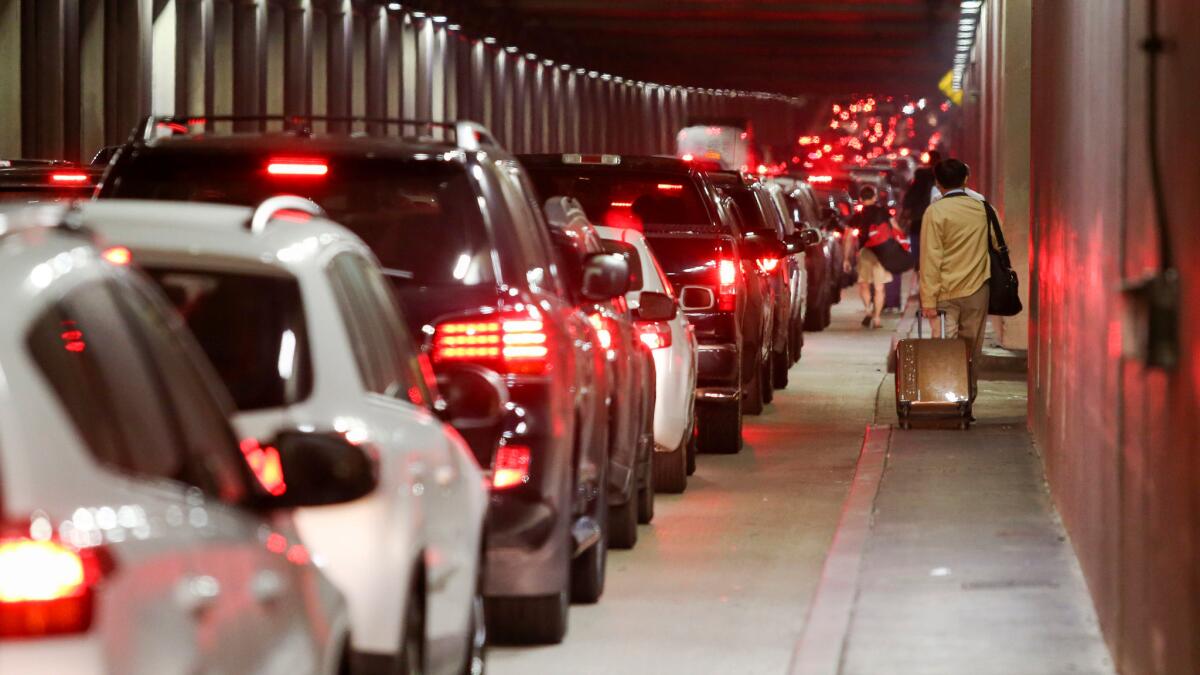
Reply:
x=828, y=314
x=534, y=620
x=814, y=317
x=780, y=367
x=766, y=379
x=646, y=496
x=691, y=453
x=589, y=568
x=752, y=400
x=720, y=428
x=670, y=469
x=475, y=659
x=623, y=521
x=412, y=642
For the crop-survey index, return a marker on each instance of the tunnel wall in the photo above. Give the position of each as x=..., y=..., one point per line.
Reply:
x=1120, y=439
x=91, y=69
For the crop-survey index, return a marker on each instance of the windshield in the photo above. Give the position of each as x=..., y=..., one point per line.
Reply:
x=421, y=219
x=625, y=198
x=252, y=328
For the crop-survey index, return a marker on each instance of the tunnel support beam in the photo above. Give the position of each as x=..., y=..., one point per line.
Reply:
x=127, y=53
x=376, y=65
x=194, y=57
x=339, y=23
x=249, y=60
x=297, y=57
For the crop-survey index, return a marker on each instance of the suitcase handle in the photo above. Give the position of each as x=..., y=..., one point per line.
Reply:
x=941, y=315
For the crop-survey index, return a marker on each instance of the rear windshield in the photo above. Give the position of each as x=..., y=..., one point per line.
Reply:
x=685, y=254
x=421, y=219
x=629, y=199
x=252, y=328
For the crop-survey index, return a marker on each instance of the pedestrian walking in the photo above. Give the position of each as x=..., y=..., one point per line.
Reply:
x=873, y=224
x=955, y=266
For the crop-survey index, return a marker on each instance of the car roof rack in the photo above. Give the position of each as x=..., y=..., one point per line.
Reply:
x=469, y=136
x=272, y=206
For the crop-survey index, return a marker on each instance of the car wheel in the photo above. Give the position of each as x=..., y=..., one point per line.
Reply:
x=588, y=569
x=623, y=521
x=766, y=378
x=540, y=620
x=412, y=642
x=720, y=428
x=828, y=314
x=691, y=452
x=646, y=498
x=475, y=662
x=780, y=366
x=670, y=469
x=753, y=393
x=814, y=315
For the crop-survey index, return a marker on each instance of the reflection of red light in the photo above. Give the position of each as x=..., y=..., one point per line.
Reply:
x=654, y=334
x=264, y=462
x=297, y=555
x=276, y=543
x=768, y=264
x=117, y=255
x=76, y=346
x=511, y=466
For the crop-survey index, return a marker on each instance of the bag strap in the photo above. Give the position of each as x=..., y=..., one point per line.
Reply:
x=994, y=226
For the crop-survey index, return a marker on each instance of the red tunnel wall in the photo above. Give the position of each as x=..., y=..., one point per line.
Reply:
x=1121, y=442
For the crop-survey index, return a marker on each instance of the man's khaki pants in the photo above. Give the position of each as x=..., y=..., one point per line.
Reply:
x=966, y=318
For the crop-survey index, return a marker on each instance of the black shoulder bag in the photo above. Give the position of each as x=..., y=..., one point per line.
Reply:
x=1004, y=298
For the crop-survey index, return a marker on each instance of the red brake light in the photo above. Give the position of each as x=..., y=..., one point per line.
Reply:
x=654, y=334
x=604, y=333
x=858, y=208
x=511, y=467
x=68, y=177
x=45, y=587
x=117, y=255
x=687, y=157
x=820, y=179
x=768, y=265
x=669, y=187
x=855, y=232
x=727, y=273
x=297, y=167
x=511, y=343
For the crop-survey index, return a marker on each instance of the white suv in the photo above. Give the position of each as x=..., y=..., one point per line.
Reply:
x=295, y=314
x=134, y=536
x=672, y=342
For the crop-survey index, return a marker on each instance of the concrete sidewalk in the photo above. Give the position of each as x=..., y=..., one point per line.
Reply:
x=963, y=566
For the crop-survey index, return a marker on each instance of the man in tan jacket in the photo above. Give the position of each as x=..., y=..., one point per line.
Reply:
x=955, y=266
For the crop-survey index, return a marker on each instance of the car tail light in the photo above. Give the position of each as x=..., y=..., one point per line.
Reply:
x=511, y=466
x=604, y=329
x=727, y=274
x=515, y=343
x=46, y=587
x=820, y=179
x=768, y=265
x=654, y=334
x=117, y=255
x=72, y=177
x=297, y=167
x=265, y=464
x=670, y=187
x=687, y=157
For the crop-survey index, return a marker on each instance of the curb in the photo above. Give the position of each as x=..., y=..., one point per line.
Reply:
x=819, y=650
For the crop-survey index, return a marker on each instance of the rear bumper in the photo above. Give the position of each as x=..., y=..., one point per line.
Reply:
x=717, y=367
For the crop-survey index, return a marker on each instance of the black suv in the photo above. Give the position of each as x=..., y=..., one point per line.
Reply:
x=36, y=181
x=696, y=236
x=463, y=240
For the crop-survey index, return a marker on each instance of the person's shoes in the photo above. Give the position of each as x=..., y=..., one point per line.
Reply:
x=866, y=322
x=876, y=324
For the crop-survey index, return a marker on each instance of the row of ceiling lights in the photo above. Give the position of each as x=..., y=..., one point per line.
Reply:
x=968, y=22
x=549, y=63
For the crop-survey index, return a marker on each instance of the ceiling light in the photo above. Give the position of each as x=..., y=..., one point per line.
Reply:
x=489, y=40
x=439, y=19
x=418, y=15
x=511, y=50
x=454, y=26
x=395, y=6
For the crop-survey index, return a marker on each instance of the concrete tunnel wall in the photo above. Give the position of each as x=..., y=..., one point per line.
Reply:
x=102, y=65
x=1120, y=440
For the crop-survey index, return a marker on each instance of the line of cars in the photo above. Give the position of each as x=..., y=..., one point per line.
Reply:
x=353, y=403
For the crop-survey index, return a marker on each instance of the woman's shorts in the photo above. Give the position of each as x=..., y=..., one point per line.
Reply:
x=870, y=270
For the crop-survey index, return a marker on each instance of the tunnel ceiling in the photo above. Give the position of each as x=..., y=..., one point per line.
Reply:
x=792, y=47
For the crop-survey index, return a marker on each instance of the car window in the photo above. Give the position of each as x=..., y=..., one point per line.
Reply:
x=99, y=369
x=252, y=328
x=376, y=330
x=214, y=461
x=528, y=229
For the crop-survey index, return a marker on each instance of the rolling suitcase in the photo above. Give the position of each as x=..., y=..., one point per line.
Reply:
x=933, y=379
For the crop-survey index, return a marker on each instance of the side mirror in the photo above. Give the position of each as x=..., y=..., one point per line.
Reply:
x=757, y=245
x=475, y=401
x=316, y=469
x=654, y=306
x=801, y=240
x=605, y=276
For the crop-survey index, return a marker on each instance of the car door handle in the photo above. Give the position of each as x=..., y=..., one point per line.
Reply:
x=195, y=594
x=266, y=587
